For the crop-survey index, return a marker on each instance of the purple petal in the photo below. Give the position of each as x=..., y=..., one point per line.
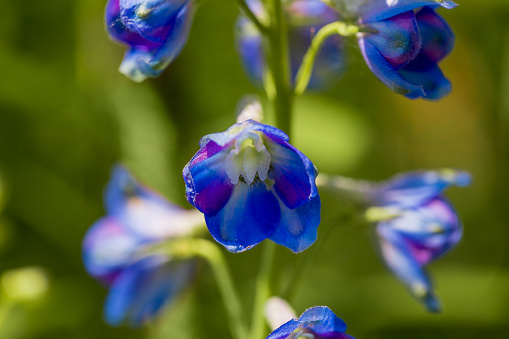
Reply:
x=430, y=231
x=150, y=18
x=401, y=261
x=119, y=32
x=298, y=227
x=293, y=173
x=437, y=35
x=385, y=72
x=144, y=288
x=251, y=215
x=371, y=11
x=397, y=39
x=208, y=187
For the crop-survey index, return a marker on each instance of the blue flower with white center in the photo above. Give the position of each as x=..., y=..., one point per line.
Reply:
x=315, y=323
x=417, y=225
x=155, y=32
x=113, y=250
x=403, y=48
x=251, y=184
x=305, y=18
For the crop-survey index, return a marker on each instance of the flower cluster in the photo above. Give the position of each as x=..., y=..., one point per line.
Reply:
x=417, y=225
x=114, y=250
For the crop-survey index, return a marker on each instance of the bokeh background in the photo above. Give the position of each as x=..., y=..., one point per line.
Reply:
x=67, y=115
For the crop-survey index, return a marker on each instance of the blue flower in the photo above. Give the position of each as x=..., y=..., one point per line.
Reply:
x=417, y=226
x=403, y=48
x=113, y=250
x=315, y=323
x=155, y=32
x=305, y=18
x=251, y=184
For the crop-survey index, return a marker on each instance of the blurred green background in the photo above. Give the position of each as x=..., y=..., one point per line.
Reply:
x=67, y=115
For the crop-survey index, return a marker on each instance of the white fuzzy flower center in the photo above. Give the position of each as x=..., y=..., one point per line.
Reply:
x=249, y=158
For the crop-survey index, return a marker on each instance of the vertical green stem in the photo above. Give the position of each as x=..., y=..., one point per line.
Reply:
x=278, y=60
x=262, y=291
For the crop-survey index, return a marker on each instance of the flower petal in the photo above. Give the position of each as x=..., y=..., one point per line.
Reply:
x=430, y=230
x=143, y=62
x=376, y=10
x=386, y=73
x=429, y=77
x=208, y=186
x=400, y=260
x=297, y=229
x=415, y=188
x=320, y=320
x=293, y=173
x=250, y=216
x=396, y=38
x=142, y=289
x=149, y=18
x=437, y=35
x=107, y=248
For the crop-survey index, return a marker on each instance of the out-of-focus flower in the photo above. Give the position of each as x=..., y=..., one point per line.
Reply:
x=315, y=323
x=155, y=32
x=251, y=184
x=305, y=18
x=416, y=225
x=114, y=250
x=403, y=48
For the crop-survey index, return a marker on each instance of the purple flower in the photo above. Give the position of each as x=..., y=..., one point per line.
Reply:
x=155, y=32
x=305, y=18
x=417, y=226
x=315, y=323
x=251, y=184
x=403, y=48
x=113, y=250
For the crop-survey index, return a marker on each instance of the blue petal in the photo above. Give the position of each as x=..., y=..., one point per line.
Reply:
x=371, y=11
x=414, y=188
x=396, y=38
x=149, y=18
x=386, y=72
x=143, y=62
x=250, y=216
x=298, y=227
x=320, y=320
x=429, y=77
x=400, y=260
x=142, y=289
x=208, y=186
x=107, y=248
x=437, y=35
x=430, y=230
x=119, y=189
x=293, y=173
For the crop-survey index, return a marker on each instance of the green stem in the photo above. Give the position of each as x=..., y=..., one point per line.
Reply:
x=306, y=68
x=186, y=248
x=252, y=17
x=278, y=60
x=262, y=291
